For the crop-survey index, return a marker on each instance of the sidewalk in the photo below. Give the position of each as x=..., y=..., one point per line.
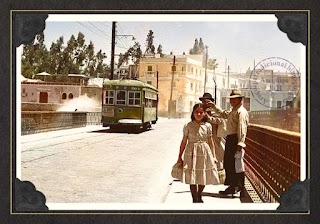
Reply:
x=180, y=194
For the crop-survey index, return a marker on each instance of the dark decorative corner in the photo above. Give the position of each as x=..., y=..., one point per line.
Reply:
x=27, y=26
x=295, y=25
x=297, y=198
x=27, y=198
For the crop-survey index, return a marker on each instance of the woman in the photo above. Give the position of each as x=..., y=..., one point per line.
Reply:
x=199, y=160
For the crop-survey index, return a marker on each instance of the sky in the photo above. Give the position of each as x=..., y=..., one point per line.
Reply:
x=234, y=40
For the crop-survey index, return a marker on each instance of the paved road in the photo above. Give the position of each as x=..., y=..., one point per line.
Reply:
x=93, y=165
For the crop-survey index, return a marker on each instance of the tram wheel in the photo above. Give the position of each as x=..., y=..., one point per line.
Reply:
x=146, y=126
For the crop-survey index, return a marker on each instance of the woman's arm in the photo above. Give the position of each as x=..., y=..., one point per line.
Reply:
x=182, y=147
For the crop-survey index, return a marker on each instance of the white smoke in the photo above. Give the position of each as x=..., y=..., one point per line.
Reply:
x=82, y=104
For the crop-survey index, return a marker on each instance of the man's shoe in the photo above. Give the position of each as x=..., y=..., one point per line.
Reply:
x=241, y=190
x=229, y=190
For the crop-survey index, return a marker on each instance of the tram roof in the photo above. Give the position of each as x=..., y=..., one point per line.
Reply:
x=129, y=82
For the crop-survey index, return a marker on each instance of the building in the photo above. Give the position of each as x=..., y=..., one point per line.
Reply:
x=50, y=96
x=180, y=81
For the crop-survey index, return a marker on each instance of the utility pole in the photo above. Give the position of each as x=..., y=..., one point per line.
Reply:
x=215, y=84
x=205, y=71
x=157, y=78
x=171, y=104
x=113, y=48
x=228, y=85
x=173, y=70
x=228, y=77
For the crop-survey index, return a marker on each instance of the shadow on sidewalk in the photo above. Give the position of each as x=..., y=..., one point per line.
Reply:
x=245, y=199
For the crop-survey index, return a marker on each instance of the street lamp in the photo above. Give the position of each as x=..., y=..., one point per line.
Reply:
x=215, y=90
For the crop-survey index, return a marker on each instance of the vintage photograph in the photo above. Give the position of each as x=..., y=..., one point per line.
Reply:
x=194, y=111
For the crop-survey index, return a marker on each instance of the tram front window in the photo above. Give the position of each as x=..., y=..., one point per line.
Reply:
x=121, y=97
x=134, y=98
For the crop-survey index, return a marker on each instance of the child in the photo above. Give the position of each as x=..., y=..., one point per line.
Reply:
x=199, y=160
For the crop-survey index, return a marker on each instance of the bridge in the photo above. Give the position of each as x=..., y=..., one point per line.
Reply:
x=272, y=159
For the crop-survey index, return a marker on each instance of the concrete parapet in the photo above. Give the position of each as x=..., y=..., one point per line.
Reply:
x=41, y=121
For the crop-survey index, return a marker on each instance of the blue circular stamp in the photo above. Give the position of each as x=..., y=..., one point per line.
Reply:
x=275, y=82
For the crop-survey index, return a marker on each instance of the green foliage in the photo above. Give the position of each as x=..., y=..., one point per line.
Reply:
x=74, y=57
x=159, y=50
x=212, y=64
x=196, y=48
x=200, y=48
x=150, y=49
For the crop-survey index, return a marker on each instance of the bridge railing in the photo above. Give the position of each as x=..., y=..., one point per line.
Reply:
x=41, y=121
x=272, y=160
x=94, y=118
x=288, y=119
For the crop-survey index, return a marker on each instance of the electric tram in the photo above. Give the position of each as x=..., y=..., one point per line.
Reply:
x=129, y=105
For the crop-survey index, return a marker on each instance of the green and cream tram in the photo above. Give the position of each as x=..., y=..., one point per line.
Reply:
x=129, y=104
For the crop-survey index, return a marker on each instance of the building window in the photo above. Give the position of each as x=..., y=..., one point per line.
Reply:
x=191, y=105
x=279, y=88
x=149, y=68
x=182, y=68
x=289, y=104
x=109, y=97
x=149, y=82
x=70, y=96
x=64, y=96
x=24, y=93
x=278, y=104
x=121, y=97
x=191, y=86
x=134, y=98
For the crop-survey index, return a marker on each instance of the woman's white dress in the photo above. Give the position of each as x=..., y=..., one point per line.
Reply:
x=199, y=166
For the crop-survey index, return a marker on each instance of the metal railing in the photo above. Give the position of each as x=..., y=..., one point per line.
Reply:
x=94, y=118
x=272, y=160
x=288, y=119
x=41, y=121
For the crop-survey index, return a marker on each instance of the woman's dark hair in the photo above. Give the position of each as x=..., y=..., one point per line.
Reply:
x=205, y=118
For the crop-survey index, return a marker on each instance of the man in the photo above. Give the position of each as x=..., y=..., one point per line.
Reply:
x=218, y=129
x=237, y=124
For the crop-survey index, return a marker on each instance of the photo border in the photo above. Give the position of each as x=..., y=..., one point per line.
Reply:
x=310, y=96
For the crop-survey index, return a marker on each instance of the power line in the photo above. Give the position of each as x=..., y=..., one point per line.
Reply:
x=90, y=30
x=99, y=29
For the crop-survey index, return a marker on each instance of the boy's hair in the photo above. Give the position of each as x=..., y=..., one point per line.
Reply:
x=205, y=118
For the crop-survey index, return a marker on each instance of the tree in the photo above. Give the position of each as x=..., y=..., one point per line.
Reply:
x=90, y=60
x=55, y=55
x=200, y=48
x=212, y=64
x=150, y=49
x=159, y=50
x=80, y=51
x=100, y=69
x=69, y=55
x=195, y=49
x=134, y=54
x=75, y=57
x=35, y=57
